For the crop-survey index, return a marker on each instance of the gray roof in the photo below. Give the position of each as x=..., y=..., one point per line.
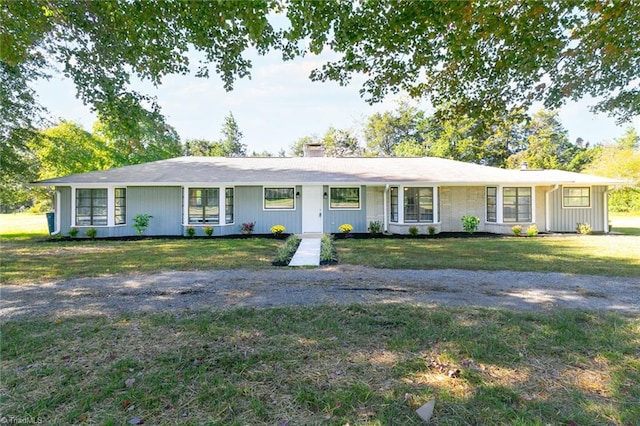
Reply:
x=320, y=170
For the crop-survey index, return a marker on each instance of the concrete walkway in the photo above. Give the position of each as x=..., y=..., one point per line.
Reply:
x=308, y=253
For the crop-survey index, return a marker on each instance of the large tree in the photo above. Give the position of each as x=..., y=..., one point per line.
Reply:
x=67, y=149
x=546, y=145
x=232, y=137
x=480, y=56
x=385, y=131
x=475, y=55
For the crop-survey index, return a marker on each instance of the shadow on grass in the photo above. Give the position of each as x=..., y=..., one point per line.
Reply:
x=336, y=365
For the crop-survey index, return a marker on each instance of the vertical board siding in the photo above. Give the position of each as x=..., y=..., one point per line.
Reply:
x=163, y=203
x=249, y=208
x=357, y=218
x=65, y=209
x=565, y=219
x=458, y=201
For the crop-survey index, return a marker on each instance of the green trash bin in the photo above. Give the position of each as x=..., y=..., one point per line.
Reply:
x=51, y=222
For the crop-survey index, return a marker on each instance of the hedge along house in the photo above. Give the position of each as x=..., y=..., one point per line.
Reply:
x=317, y=194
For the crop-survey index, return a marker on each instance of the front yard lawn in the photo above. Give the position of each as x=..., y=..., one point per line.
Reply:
x=369, y=365
x=594, y=254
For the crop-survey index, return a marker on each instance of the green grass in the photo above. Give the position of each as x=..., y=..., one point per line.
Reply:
x=29, y=256
x=626, y=223
x=372, y=365
x=29, y=260
x=594, y=254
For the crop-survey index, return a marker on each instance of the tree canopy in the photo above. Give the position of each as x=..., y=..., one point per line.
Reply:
x=475, y=56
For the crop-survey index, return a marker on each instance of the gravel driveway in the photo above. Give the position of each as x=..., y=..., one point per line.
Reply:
x=343, y=284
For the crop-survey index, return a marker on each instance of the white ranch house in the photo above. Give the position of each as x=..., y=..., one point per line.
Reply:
x=318, y=194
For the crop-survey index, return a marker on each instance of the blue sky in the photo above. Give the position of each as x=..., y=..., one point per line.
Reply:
x=279, y=104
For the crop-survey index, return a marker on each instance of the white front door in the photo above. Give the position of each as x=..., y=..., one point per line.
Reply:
x=312, y=212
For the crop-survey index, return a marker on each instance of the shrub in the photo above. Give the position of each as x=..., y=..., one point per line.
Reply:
x=345, y=228
x=247, y=228
x=277, y=229
x=431, y=230
x=413, y=231
x=141, y=222
x=375, y=227
x=208, y=230
x=73, y=232
x=583, y=228
x=517, y=230
x=286, y=251
x=191, y=231
x=470, y=223
x=328, y=253
x=91, y=233
x=532, y=231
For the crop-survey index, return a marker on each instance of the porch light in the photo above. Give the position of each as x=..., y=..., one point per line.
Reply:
x=325, y=195
x=297, y=194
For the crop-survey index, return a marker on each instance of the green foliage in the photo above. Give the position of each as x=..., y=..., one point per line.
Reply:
x=73, y=232
x=341, y=143
x=375, y=227
x=91, y=233
x=470, y=223
x=68, y=149
x=286, y=251
x=141, y=222
x=142, y=138
x=413, y=231
x=385, y=132
x=431, y=230
x=203, y=148
x=626, y=199
x=231, y=137
x=532, y=230
x=191, y=231
x=208, y=230
x=583, y=228
x=517, y=230
x=545, y=145
x=328, y=252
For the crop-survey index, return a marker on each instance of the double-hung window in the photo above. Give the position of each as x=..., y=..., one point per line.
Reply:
x=492, y=204
x=228, y=205
x=418, y=205
x=576, y=197
x=120, y=206
x=279, y=199
x=204, y=205
x=345, y=198
x=91, y=207
x=516, y=203
x=393, y=195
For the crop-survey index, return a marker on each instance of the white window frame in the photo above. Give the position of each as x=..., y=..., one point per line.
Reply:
x=347, y=187
x=532, y=205
x=434, y=201
x=111, y=205
x=588, y=188
x=222, y=208
x=287, y=209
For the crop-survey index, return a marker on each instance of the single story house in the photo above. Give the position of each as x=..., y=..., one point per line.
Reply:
x=314, y=194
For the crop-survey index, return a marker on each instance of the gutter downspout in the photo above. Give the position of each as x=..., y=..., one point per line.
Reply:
x=547, y=209
x=384, y=208
x=56, y=210
x=605, y=197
